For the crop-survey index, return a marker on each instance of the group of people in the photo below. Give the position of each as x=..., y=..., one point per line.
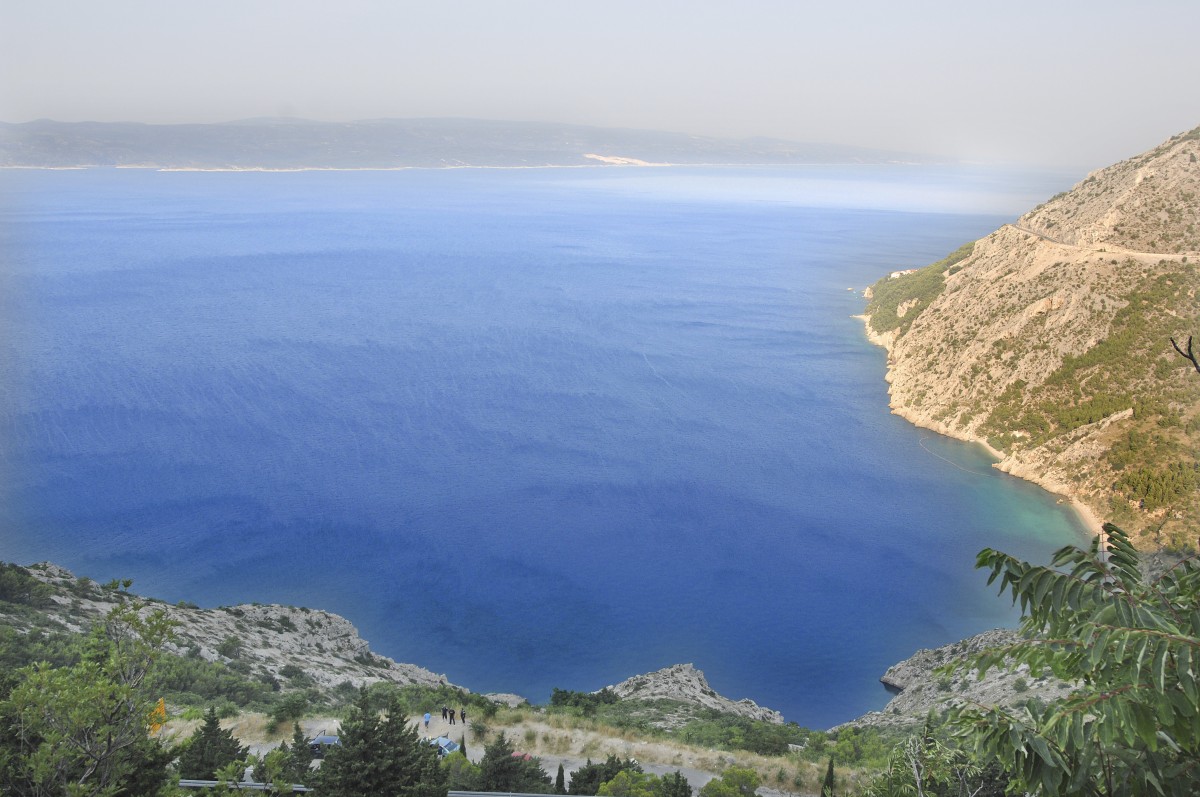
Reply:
x=447, y=714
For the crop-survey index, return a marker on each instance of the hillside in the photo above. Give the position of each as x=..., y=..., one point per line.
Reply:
x=264, y=666
x=392, y=144
x=270, y=644
x=291, y=648
x=1050, y=341
x=683, y=683
x=288, y=649
x=920, y=688
x=254, y=662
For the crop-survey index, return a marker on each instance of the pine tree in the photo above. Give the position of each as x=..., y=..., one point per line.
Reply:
x=411, y=764
x=209, y=749
x=734, y=782
x=295, y=761
x=827, y=785
x=380, y=756
x=350, y=767
x=673, y=785
x=587, y=779
x=301, y=755
x=560, y=781
x=502, y=771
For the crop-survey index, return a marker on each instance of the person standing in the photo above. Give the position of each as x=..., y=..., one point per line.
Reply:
x=427, y=718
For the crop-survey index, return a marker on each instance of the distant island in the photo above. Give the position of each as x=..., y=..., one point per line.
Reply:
x=292, y=144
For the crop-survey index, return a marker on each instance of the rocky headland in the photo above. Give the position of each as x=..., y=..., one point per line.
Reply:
x=277, y=642
x=293, y=645
x=264, y=639
x=1049, y=340
x=934, y=680
x=683, y=683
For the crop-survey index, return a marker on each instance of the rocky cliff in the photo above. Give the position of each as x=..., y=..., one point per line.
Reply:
x=318, y=648
x=921, y=688
x=262, y=639
x=1050, y=341
x=683, y=683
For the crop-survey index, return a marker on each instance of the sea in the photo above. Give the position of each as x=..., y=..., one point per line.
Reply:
x=529, y=428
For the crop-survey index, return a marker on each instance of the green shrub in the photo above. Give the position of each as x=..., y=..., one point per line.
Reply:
x=923, y=285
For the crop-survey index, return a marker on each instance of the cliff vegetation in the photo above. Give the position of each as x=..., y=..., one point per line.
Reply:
x=1050, y=341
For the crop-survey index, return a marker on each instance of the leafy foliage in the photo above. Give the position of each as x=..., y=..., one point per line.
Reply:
x=17, y=586
x=628, y=783
x=57, y=648
x=83, y=728
x=633, y=783
x=589, y=777
x=586, y=701
x=693, y=724
x=419, y=698
x=461, y=774
x=927, y=765
x=734, y=782
x=741, y=733
x=1133, y=646
x=195, y=682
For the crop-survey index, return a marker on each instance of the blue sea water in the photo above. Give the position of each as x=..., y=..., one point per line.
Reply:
x=529, y=428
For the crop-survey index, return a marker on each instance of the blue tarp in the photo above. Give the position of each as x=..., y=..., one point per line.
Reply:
x=445, y=745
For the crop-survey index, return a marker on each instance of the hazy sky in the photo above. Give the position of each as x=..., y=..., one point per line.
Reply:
x=1077, y=84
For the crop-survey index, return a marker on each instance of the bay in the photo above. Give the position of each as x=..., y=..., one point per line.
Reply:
x=529, y=428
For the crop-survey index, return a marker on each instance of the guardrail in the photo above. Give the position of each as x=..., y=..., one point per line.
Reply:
x=492, y=794
x=248, y=785
x=296, y=787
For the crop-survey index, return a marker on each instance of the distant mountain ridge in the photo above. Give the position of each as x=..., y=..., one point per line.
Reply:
x=393, y=144
x=1050, y=340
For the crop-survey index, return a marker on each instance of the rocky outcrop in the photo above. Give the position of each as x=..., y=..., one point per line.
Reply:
x=685, y=684
x=1049, y=341
x=287, y=643
x=922, y=688
x=298, y=646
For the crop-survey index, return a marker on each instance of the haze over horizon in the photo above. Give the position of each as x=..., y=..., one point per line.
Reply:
x=1071, y=85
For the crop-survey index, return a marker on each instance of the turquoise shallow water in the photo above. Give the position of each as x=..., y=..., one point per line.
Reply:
x=526, y=428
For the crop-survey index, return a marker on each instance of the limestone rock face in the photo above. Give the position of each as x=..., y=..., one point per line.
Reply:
x=684, y=683
x=1050, y=342
x=921, y=688
x=1133, y=205
x=325, y=647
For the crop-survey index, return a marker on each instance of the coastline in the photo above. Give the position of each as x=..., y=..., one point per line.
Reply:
x=1087, y=516
x=601, y=162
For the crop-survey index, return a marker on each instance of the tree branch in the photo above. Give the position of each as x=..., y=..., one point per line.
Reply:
x=1189, y=355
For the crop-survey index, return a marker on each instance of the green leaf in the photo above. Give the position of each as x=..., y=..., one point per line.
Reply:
x=1161, y=659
